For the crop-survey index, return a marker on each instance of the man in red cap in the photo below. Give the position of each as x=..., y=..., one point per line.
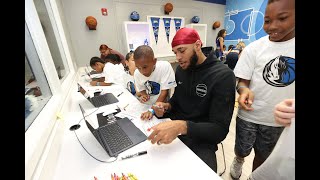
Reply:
x=202, y=105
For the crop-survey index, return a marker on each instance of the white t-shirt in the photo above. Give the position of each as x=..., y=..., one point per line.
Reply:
x=161, y=78
x=129, y=83
x=114, y=73
x=272, y=78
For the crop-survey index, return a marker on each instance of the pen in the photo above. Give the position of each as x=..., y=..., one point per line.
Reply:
x=134, y=155
x=126, y=106
x=119, y=94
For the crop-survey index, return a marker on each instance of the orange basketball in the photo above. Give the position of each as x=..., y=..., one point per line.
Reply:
x=216, y=24
x=168, y=8
x=91, y=22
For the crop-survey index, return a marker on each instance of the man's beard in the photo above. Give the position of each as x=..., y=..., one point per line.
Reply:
x=193, y=61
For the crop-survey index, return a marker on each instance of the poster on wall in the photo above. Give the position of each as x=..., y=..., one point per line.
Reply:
x=163, y=29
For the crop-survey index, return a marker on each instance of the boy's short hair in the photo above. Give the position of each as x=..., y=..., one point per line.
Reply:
x=113, y=57
x=143, y=51
x=96, y=59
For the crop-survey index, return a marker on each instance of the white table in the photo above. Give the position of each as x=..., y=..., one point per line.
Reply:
x=162, y=162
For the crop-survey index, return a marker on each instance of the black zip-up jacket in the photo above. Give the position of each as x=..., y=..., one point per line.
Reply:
x=204, y=97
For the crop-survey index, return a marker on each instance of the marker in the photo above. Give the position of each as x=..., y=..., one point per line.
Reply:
x=134, y=155
x=119, y=94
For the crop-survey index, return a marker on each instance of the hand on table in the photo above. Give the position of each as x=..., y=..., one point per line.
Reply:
x=159, y=109
x=166, y=132
x=93, y=83
x=146, y=115
x=144, y=98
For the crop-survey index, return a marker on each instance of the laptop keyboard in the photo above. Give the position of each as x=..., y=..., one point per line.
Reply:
x=116, y=138
x=104, y=99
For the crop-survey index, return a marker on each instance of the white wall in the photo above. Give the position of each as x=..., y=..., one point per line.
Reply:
x=66, y=31
x=109, y=31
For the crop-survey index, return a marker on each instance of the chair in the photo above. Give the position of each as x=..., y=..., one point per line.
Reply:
x=224, y=161
x=207, y=50
x=232, y=59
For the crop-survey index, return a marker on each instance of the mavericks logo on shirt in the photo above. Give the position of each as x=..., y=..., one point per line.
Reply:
x=152, y=88
x=280, y=71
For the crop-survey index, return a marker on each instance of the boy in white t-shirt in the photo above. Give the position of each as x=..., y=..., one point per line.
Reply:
x=266, y=73
x=153, y=78
x=113, y=73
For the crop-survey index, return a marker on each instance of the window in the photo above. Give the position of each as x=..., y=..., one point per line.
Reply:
x=50, y=71
x=52, y=36
x=37, y=91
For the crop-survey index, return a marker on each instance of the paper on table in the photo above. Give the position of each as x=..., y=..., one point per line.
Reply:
x=133, y=109
x=97, y=75
x=149, y=124
x=109, y=111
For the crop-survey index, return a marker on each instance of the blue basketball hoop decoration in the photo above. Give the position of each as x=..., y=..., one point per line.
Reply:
x=195, y=19
x=134, y=16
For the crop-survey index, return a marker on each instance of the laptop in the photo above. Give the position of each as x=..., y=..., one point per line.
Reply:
x=88, y=73
x=91, y=72
x=98, y=100
x=117, y=135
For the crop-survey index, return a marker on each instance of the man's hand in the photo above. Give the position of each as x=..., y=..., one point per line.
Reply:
x=160, y=108
x=166, y=132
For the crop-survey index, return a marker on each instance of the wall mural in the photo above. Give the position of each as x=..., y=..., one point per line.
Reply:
x=244, y=21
